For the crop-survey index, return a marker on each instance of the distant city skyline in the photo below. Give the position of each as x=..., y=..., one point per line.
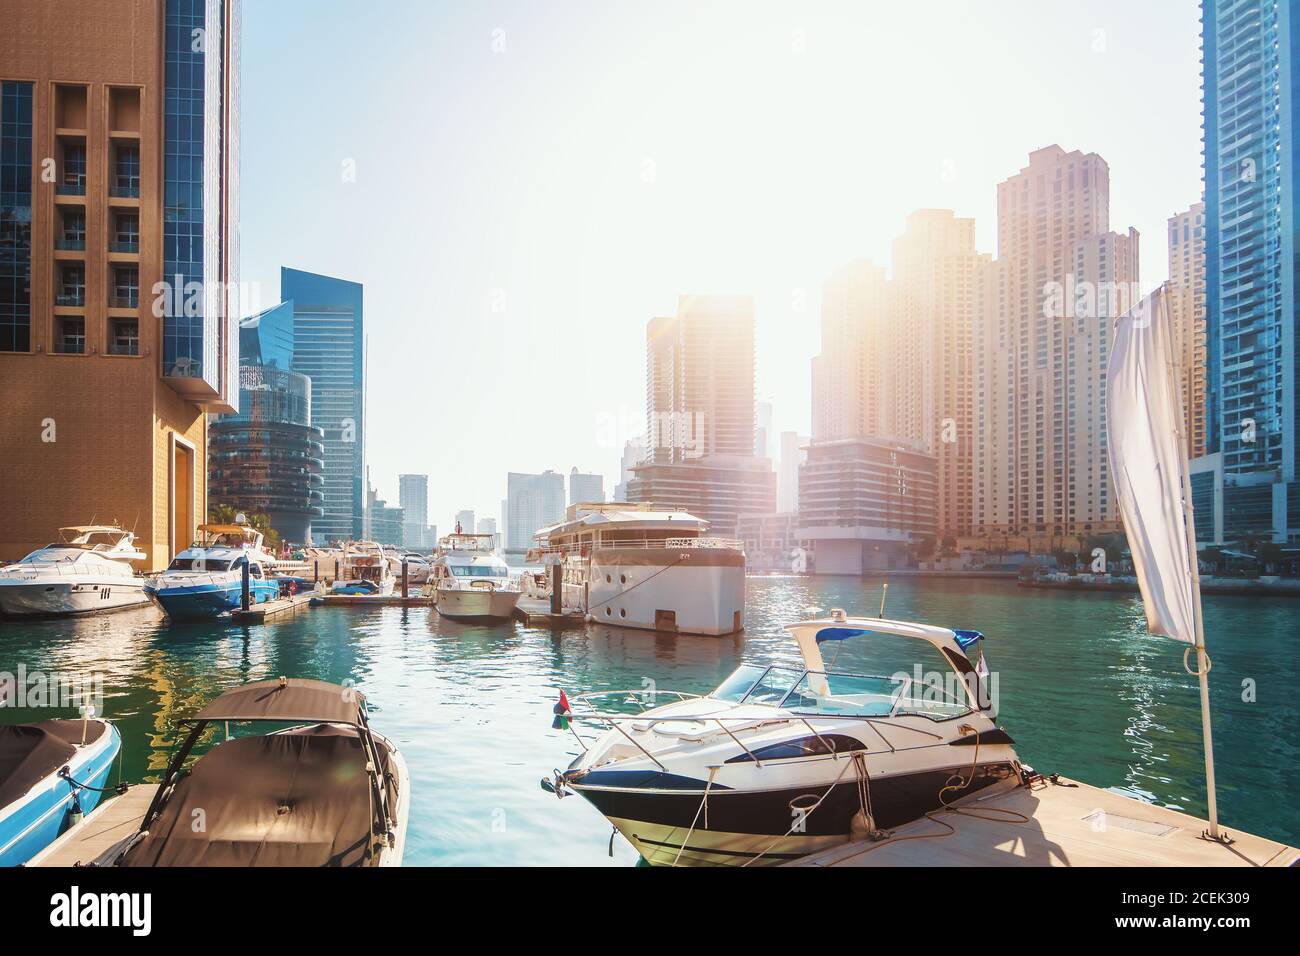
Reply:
x=735, y=172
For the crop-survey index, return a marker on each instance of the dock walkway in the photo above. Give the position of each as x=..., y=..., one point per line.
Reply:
x=1069, y=824
x=285, y=605
x=108, y=824
x=537, y=613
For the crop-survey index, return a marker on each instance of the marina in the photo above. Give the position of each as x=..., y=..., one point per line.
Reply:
x=479, y=697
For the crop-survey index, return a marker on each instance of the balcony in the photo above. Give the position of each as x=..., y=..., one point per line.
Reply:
x=124, y=191
x=72, y=298
x=130, y=300
x=70, y=245
x=132, y=246
x=71, y=189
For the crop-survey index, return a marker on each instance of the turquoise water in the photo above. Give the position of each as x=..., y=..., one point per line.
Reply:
x=1081, y=689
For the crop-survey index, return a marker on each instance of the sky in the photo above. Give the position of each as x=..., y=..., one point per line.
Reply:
x=521, y=186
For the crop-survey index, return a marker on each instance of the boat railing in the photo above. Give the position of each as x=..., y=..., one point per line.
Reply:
x=741, y=723
x=584, y=549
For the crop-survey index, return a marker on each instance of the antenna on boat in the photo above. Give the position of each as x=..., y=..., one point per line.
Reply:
x=884, y=593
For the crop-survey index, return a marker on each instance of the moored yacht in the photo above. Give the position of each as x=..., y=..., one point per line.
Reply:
x=206, y=579
x=90, y=570
x=784, y=760
x=363, y=569
x=468, y=582
x=637, y=565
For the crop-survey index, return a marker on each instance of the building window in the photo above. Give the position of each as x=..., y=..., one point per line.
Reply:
x=73, y=236
x=74, y=170
x=125, y=337
x=71, y=339
x=126, y=233
x=126, y=172
x=15, y=217
x=72, y=285
x=126, y=288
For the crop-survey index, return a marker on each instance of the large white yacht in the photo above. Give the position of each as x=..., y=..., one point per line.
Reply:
x=638, y=565
x=89, y=571
x=469, y=582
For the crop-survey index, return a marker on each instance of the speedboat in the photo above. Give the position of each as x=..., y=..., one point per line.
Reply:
x=89, y=571
x=418, y=568
x=363, y=569
x=469, y=582
x=329, y=791
x=51, y=773
x=781, y=761
x=206, y=579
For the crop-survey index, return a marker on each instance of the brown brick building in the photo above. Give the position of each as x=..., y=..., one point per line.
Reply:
x=118, y=244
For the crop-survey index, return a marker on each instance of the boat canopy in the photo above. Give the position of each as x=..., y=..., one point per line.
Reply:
x=31, y=752
x=289, y=699
x=78, y=531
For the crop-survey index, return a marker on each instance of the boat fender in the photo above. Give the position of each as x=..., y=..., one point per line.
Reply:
x=74, y=812
x=862, y=827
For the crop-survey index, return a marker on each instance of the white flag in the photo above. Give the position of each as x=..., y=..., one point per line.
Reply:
x=1144, y=419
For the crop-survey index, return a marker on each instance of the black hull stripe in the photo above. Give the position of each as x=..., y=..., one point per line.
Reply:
x=894, y=801
x=702, y=849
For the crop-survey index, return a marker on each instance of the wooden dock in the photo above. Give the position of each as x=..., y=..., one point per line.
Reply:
x=536, y=612
x=262, y=612
x=371, y=600
x=109, y=823
x=1068, y=824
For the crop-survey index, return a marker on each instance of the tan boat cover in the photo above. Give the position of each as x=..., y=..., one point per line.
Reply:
x=295, y=700
x=299, y=798
x=31, y=752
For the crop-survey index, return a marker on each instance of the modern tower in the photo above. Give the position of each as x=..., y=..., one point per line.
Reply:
x=700, y=413
x=532, y=503
x=585, y=488
x=1250, y=82
x=1060, y=281
x=329, y=341
x=119, y=158
x=1186, y=297
x=413, y=496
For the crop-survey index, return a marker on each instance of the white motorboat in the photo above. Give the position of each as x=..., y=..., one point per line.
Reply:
x=418, y=567
x=89, y=571
x=781, y=761
x=469, y=582
x=363, y=569
x=637, y=565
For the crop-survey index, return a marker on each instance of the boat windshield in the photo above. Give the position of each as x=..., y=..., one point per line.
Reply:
x=478, y=571
x=863, y=695
x=735, y=687
x=198, y=564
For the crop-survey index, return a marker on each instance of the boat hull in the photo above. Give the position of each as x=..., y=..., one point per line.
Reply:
x=22, y=598
x=33, y=822
x=475, y=604
x=744, y=827
x=687, y=591
x=212, y=600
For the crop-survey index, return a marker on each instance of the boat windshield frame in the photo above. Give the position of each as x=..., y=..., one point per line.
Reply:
x=960, y=707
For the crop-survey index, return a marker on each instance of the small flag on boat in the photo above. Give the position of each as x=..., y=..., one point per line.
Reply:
x=561, y=711
x=562, y=705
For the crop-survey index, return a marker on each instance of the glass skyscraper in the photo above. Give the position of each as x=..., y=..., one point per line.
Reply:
x=328, y=347
x=1251, y=118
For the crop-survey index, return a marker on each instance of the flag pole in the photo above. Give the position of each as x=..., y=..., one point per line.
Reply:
x=1203, y=663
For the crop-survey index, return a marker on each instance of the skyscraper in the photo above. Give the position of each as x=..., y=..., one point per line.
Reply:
x=1186, y=297
x=852, y=376
x=141, y=126
x=935, y=305
x=700, y=413
x=787, y=476
x=268, y=458
x=533, y=502
x=1252, y=135
x=329, y=342
x=633, y=453
x=585, y=488
x=1060, y=280
x=413, y=496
